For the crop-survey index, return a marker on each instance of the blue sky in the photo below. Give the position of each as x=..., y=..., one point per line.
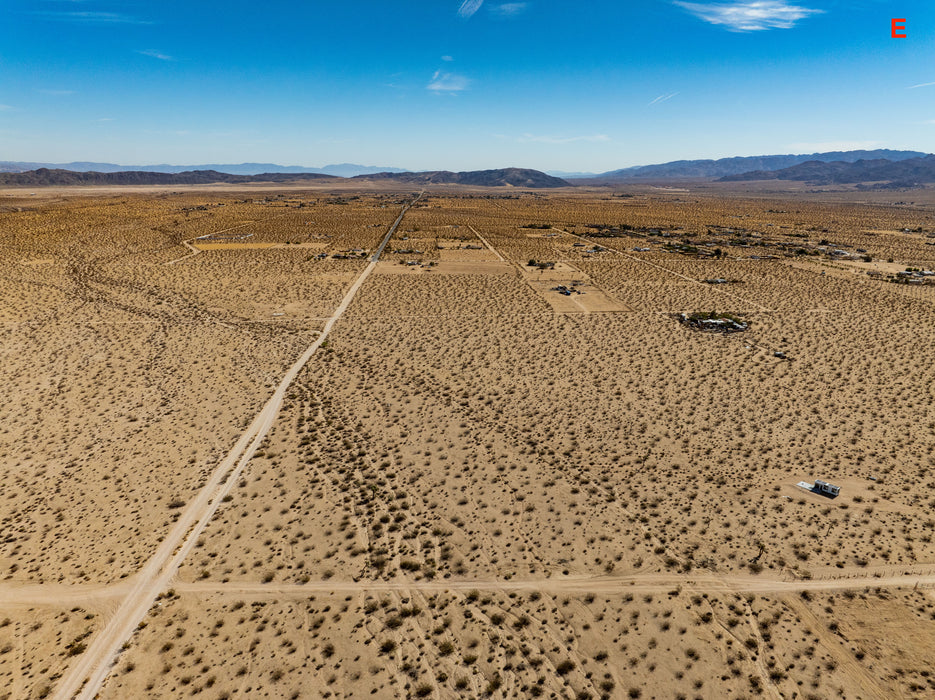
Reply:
x=547, y=84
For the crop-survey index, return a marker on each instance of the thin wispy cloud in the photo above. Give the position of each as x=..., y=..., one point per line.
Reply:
x=89, y=17
x=152, y=53
x=920, y=85
x=447, y=82
x=749, y=15
x=527, y=138
x=509, y=9
x=395, y=83
x=663, y=98
x=5, y=108
x=447, y=58
x=469, y=7
x=57, y=93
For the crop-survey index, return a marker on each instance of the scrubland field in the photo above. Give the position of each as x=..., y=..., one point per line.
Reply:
x=478, y=485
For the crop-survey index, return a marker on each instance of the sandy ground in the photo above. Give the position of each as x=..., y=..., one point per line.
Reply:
x=469, y=489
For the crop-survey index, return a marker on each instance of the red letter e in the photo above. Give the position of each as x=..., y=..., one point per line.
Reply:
x=898, y=28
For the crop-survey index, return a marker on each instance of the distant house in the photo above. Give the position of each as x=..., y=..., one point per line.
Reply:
x=826, y=488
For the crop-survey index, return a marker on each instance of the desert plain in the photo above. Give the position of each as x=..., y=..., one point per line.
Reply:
x=456, y=443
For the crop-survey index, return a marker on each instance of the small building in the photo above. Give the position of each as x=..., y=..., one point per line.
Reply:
x=826, y=488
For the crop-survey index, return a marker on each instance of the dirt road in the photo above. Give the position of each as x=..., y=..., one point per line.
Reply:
x=53, y=594
x=192, y=248
x=84, y=679
x=486, y=243
x=642, y=583
x=196, y=251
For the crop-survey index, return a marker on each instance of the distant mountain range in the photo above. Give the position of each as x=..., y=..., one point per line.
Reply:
x=736, y=166
x=672, y=170
x=515, y=177
x=902, y=173
x=339, y=170
x=58, y=177
x=885, y=167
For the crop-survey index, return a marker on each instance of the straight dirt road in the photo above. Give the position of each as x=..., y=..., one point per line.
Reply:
x=650, y=582
x=642, y=583
x=85, y=678
x=486, y=243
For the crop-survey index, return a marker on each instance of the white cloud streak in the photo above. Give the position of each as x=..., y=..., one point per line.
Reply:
x=447, y=82
x=749, y=15
x=91, y=17
x=153, y=53
x=662, y=98
x=469, y=7
x=510, y=9
x=920, y=85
